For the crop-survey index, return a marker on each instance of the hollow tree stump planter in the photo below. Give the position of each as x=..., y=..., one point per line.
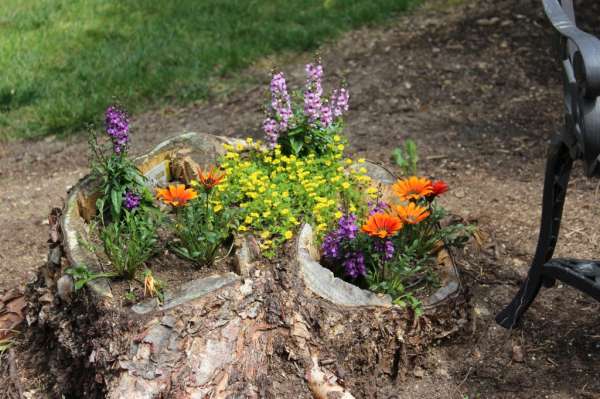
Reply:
x=266, y=329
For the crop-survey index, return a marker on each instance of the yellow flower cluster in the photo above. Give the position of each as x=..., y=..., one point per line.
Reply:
x=275, y=192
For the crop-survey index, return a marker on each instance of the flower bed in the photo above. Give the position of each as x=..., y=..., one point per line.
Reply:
x=187, y=200
x=81, y=208
x=159, y=165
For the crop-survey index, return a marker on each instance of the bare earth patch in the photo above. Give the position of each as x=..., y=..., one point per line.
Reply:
x=477, y=86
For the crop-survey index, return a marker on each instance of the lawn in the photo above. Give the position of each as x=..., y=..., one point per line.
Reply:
x=63, y=61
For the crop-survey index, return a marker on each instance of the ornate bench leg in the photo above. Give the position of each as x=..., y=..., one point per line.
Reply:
x=558, y=168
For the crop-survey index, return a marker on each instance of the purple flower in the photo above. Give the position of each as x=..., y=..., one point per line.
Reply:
x=117, y=127
x=313, y=92
x=378, y=207
x=280, y=100
x=347, y=227
x=131, y=200
x=280, y=111
x=331, y=246
x=354, y=264
x=339, y=102
x=271, y=130
x=385, y=247
x=346, y=231
x=326, y=116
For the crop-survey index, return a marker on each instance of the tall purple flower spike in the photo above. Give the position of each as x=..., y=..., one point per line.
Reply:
x=117, y=127
x=281, y=110
x=313, y=92
x=339, y=102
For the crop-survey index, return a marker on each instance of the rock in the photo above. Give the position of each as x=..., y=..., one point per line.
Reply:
x=443, y=293
x=247, y=252
x=488, y=22
x=46, y=298
x=459, y=193
x=481, y=310
x=246, y=288
x=187, y=292
x=168, y=321
x=419, y=372
x=517, y=354
x=65, y=287
x=54, y=255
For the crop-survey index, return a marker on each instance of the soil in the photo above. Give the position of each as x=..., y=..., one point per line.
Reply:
x=168, y=268
x=477, y=86
x=171, y=271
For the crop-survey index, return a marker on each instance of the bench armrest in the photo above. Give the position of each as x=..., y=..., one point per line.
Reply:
x=585, y=58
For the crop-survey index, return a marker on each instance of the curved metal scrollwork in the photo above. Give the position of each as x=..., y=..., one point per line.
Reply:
x=580, y=139
x=580, y=54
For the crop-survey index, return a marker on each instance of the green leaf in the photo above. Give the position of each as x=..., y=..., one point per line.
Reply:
x=116, y=197
x=399, y=157
x=296, y=146
x=100, y=202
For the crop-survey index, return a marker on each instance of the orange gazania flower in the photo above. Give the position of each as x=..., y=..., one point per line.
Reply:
x=411, y=213
x=211, y=178
x=382, y=225
x=176, y=194
x=412, y=188
x=439, y=187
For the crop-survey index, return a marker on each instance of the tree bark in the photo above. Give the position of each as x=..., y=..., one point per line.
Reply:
x=265, y=335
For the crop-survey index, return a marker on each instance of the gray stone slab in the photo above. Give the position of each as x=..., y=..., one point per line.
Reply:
x=443, y=293
x=187, y=292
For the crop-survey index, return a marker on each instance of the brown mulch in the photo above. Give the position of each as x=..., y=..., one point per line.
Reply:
x=478, y=87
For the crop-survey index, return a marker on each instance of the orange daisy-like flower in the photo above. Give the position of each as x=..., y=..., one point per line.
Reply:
x=439, y=187
x=382, y=225
x=411, y=213
x=211, y=178
x=412, y=188
x=176, y=194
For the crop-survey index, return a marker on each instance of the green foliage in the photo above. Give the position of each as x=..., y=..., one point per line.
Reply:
x=201, y=230
x=130, y=296
x=407, y=158
x=130, y=242
x=82, y=275
x=115, y=174
x=413, y=258
x=303, y=136
x=63, y=61
x=397, y=247
x=5, y=344
x=275, y=192
x=306, y=138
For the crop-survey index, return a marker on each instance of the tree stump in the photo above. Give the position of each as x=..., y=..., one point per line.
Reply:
x=275, y=328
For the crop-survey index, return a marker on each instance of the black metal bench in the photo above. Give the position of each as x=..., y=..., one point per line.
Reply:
x=578, y=140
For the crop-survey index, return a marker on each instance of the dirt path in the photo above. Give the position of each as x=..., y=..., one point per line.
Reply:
x=478, y=88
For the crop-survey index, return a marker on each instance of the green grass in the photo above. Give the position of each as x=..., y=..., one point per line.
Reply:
x=63, y=61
